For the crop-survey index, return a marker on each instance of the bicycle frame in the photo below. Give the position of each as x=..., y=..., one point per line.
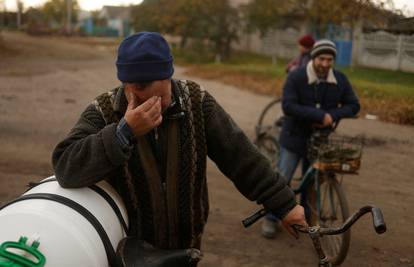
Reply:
x=307, y=178
x=310, y=176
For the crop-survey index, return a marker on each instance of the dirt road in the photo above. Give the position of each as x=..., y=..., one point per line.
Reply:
x=45, y=83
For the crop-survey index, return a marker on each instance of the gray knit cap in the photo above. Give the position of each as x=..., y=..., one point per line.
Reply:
x=323, y=46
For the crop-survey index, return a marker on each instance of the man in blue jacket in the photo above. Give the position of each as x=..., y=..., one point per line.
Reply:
x=314, y=96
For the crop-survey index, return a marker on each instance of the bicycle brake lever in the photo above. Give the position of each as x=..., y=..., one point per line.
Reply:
x=300, y=228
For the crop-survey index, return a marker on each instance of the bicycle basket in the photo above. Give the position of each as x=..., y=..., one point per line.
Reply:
x=336, y=153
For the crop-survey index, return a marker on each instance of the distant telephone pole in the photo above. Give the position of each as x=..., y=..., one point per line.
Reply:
x=3, y=15
x=19, y=5
x=69, y=16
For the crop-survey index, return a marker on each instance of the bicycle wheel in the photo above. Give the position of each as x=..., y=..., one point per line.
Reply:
x=266, y=110
x=333, y=212
x=269, y=147
x=268, y=118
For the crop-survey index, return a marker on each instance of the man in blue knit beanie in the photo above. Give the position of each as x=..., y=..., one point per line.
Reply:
x=150, y=138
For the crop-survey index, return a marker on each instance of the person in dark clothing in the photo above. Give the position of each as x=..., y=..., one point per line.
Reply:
x=150, y=138
x=305, y=45
x=314, y=96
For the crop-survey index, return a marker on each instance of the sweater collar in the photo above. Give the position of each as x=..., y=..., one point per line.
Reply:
x=313, y=78
x=120, y=102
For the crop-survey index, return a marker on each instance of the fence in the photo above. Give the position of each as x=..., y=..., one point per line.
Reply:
x=377, y=50
x=386, y=51
x=284, y=44
x=278, y=43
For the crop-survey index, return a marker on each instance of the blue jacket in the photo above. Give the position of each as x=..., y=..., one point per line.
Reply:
x=305, y=102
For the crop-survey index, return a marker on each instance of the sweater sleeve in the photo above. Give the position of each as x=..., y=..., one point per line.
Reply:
x=349, y=102
x=91, y=152
x=291, y=105
x=241, y=162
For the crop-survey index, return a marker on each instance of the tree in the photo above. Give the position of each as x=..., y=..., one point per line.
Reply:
x=323, y=12
x=35, y=17
x=223, y=26
x=208, y=22
x=149, y=15
x=265, y=15
x=55, y=11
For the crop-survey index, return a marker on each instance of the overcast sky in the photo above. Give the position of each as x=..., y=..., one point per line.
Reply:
x=407, y=5
x=84, y=4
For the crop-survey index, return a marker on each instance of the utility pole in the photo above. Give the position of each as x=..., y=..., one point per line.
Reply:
x=19, y=5
x=3, y=15
x=69, y=17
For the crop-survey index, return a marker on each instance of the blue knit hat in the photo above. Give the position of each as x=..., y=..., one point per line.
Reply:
x=144, y=56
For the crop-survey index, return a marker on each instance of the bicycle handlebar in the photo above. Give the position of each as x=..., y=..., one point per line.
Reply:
x=254, y=218
x=377, y=218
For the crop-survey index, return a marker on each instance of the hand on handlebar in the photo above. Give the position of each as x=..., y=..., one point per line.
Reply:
x=295, y=217
x=327, y=121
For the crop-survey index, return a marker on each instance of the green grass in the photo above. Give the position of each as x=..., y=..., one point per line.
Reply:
x=381, y=83
x=248, y=68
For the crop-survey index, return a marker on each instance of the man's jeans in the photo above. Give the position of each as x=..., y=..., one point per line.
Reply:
x=287, y=164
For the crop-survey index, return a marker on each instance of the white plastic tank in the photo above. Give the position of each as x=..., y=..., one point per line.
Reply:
x=66, y=237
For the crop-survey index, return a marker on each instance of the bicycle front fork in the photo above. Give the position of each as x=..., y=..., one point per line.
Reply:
x=315, y=236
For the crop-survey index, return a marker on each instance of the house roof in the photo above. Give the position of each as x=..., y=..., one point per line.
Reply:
x=404, y=25
x=83, y=15
x=115, y=12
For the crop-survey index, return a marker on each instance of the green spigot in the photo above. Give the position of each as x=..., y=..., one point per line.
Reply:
x=13, y=259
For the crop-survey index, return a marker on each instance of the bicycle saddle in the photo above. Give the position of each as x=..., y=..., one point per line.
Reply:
x=133, y=252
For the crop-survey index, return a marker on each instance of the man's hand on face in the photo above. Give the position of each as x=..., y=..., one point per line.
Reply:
x=144, y=117
x=295, y=217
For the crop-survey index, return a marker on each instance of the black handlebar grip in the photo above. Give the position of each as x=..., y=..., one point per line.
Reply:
x=378, y=220
x=253, y=218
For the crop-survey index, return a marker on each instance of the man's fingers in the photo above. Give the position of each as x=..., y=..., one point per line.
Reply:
x=149, y=103
x=292, y=231
x=295, y=216
x=131, y=98
x=155, y=110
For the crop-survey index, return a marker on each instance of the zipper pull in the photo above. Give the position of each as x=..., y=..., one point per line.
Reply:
x=156, y=133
